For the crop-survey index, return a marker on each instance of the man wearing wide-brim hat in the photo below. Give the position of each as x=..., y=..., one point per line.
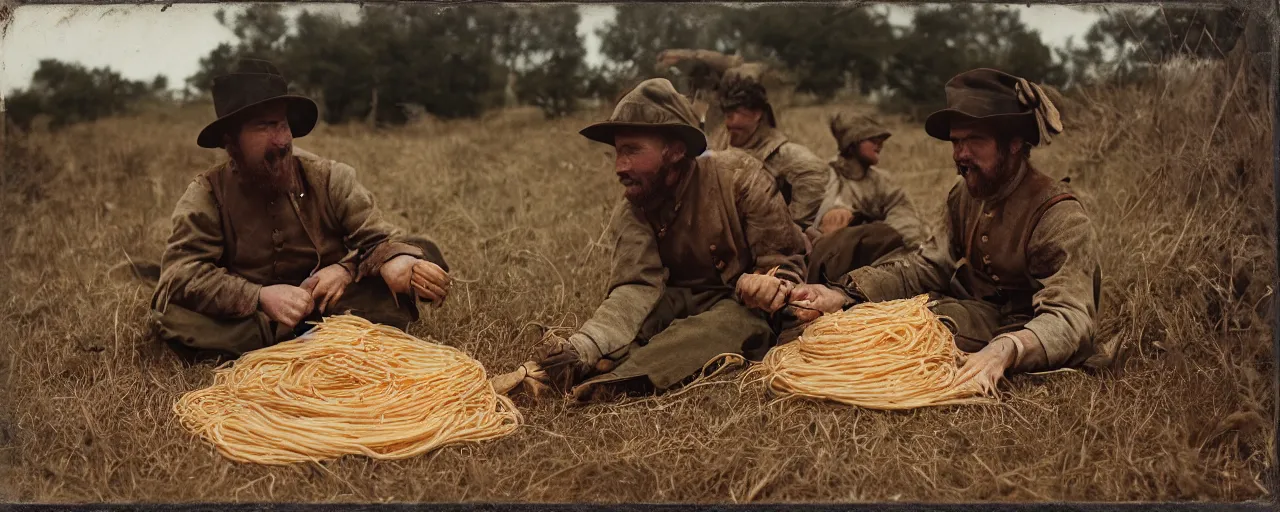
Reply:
x=703, y=253
x=274, y=237
x=865, y=215
x=1015, y=266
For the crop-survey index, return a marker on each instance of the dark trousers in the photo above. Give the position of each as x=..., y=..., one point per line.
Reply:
x=846, y=249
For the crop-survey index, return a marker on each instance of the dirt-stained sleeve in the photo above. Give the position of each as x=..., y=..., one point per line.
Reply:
x=636, y=282
x=776, y=241
x=1062, y=256
x=900, y=213
x=833, y=197
x=190, y=274
x=374, y=239
x=808, y=177
x=928, y=269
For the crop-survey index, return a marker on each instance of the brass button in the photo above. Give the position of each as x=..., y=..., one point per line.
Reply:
x=713, y=247
x=995, y=278
x=986, y=258
x=984, y=239
x=987, y=214
x=719, y=265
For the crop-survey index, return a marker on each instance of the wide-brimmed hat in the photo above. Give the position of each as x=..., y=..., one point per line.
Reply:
x=654, y=103
x=253, y=83
x=849, y=128
x=990, y=94
x=745, y=88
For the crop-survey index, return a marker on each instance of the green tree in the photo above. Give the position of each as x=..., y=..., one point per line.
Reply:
x=826, y=47
x=70, y=93
x=541, y=47
x=260, y=31
x=1127, y=42
x=945, y=41
x=632, y=41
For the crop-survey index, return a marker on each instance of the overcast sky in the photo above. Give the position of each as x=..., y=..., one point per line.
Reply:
x=140, y=41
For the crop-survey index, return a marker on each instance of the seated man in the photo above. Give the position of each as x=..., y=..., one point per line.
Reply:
x=704, y=252
x=1016, y=265
x=705, y=70
x=864, y=216
x=273, y=237
x=752, y=127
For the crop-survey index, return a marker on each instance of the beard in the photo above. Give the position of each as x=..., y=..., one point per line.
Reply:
x=274, y=172
x=984, y=183
x=646, y=190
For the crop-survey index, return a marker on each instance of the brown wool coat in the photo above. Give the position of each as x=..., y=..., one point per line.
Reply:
x=229, y=239
x=872, y=193
x=1040, y=276
x=800, y=174
x=725, y=219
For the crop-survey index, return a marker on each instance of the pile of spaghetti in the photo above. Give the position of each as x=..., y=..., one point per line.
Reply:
x=346, y=387
x=885, y=355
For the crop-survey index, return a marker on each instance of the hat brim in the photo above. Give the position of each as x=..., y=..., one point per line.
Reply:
x=938, y=124
x=302, y=113
x=694, y=140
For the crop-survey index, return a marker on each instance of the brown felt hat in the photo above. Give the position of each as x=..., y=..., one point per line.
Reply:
x=254, y=82
x=654, y=103
x=990, y=94
x=849, y=129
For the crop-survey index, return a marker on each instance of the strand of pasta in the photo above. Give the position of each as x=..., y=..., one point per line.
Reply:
x=883, y=355
x=347, y=387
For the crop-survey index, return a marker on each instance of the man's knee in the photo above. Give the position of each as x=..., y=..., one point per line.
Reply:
x=187, y=330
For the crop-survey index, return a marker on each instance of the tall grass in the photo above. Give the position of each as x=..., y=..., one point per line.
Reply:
x=1183, y=210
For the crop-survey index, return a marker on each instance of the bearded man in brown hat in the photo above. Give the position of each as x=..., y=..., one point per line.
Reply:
x=1016, y=265
x=704, y=252
x=865, y=215
x=275, y=236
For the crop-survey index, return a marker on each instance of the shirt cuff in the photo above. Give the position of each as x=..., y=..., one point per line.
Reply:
x=1031, y=354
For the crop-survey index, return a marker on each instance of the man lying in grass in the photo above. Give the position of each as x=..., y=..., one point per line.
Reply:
x=1016, y=265
x=271, y=237
x=704, y=251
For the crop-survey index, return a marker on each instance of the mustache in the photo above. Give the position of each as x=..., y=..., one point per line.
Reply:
x=274, y=156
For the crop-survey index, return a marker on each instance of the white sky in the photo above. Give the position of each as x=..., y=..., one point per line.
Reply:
x=140, y=41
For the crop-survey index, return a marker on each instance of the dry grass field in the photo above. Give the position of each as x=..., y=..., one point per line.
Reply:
x=1179, y=188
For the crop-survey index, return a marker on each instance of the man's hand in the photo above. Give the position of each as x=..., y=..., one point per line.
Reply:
x=815, y=299
x=759, y=291
x=835, y=219
x=563, y=365
x=284, y=303
x=986, y=367
x=407, y=274
x=327, y=285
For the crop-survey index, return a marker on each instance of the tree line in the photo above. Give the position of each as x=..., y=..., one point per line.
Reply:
x=460, y=60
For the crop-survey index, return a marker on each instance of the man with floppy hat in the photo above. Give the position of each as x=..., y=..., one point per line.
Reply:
x=274, y=236
x=1015, y=266
x=865, y=215
x=704, y=253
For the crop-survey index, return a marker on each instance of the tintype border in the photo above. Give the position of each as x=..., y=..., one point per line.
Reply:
x=1269, y=10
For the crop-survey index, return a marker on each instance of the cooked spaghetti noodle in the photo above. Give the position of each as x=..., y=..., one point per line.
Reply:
x=346, y=387
x=885, y=355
